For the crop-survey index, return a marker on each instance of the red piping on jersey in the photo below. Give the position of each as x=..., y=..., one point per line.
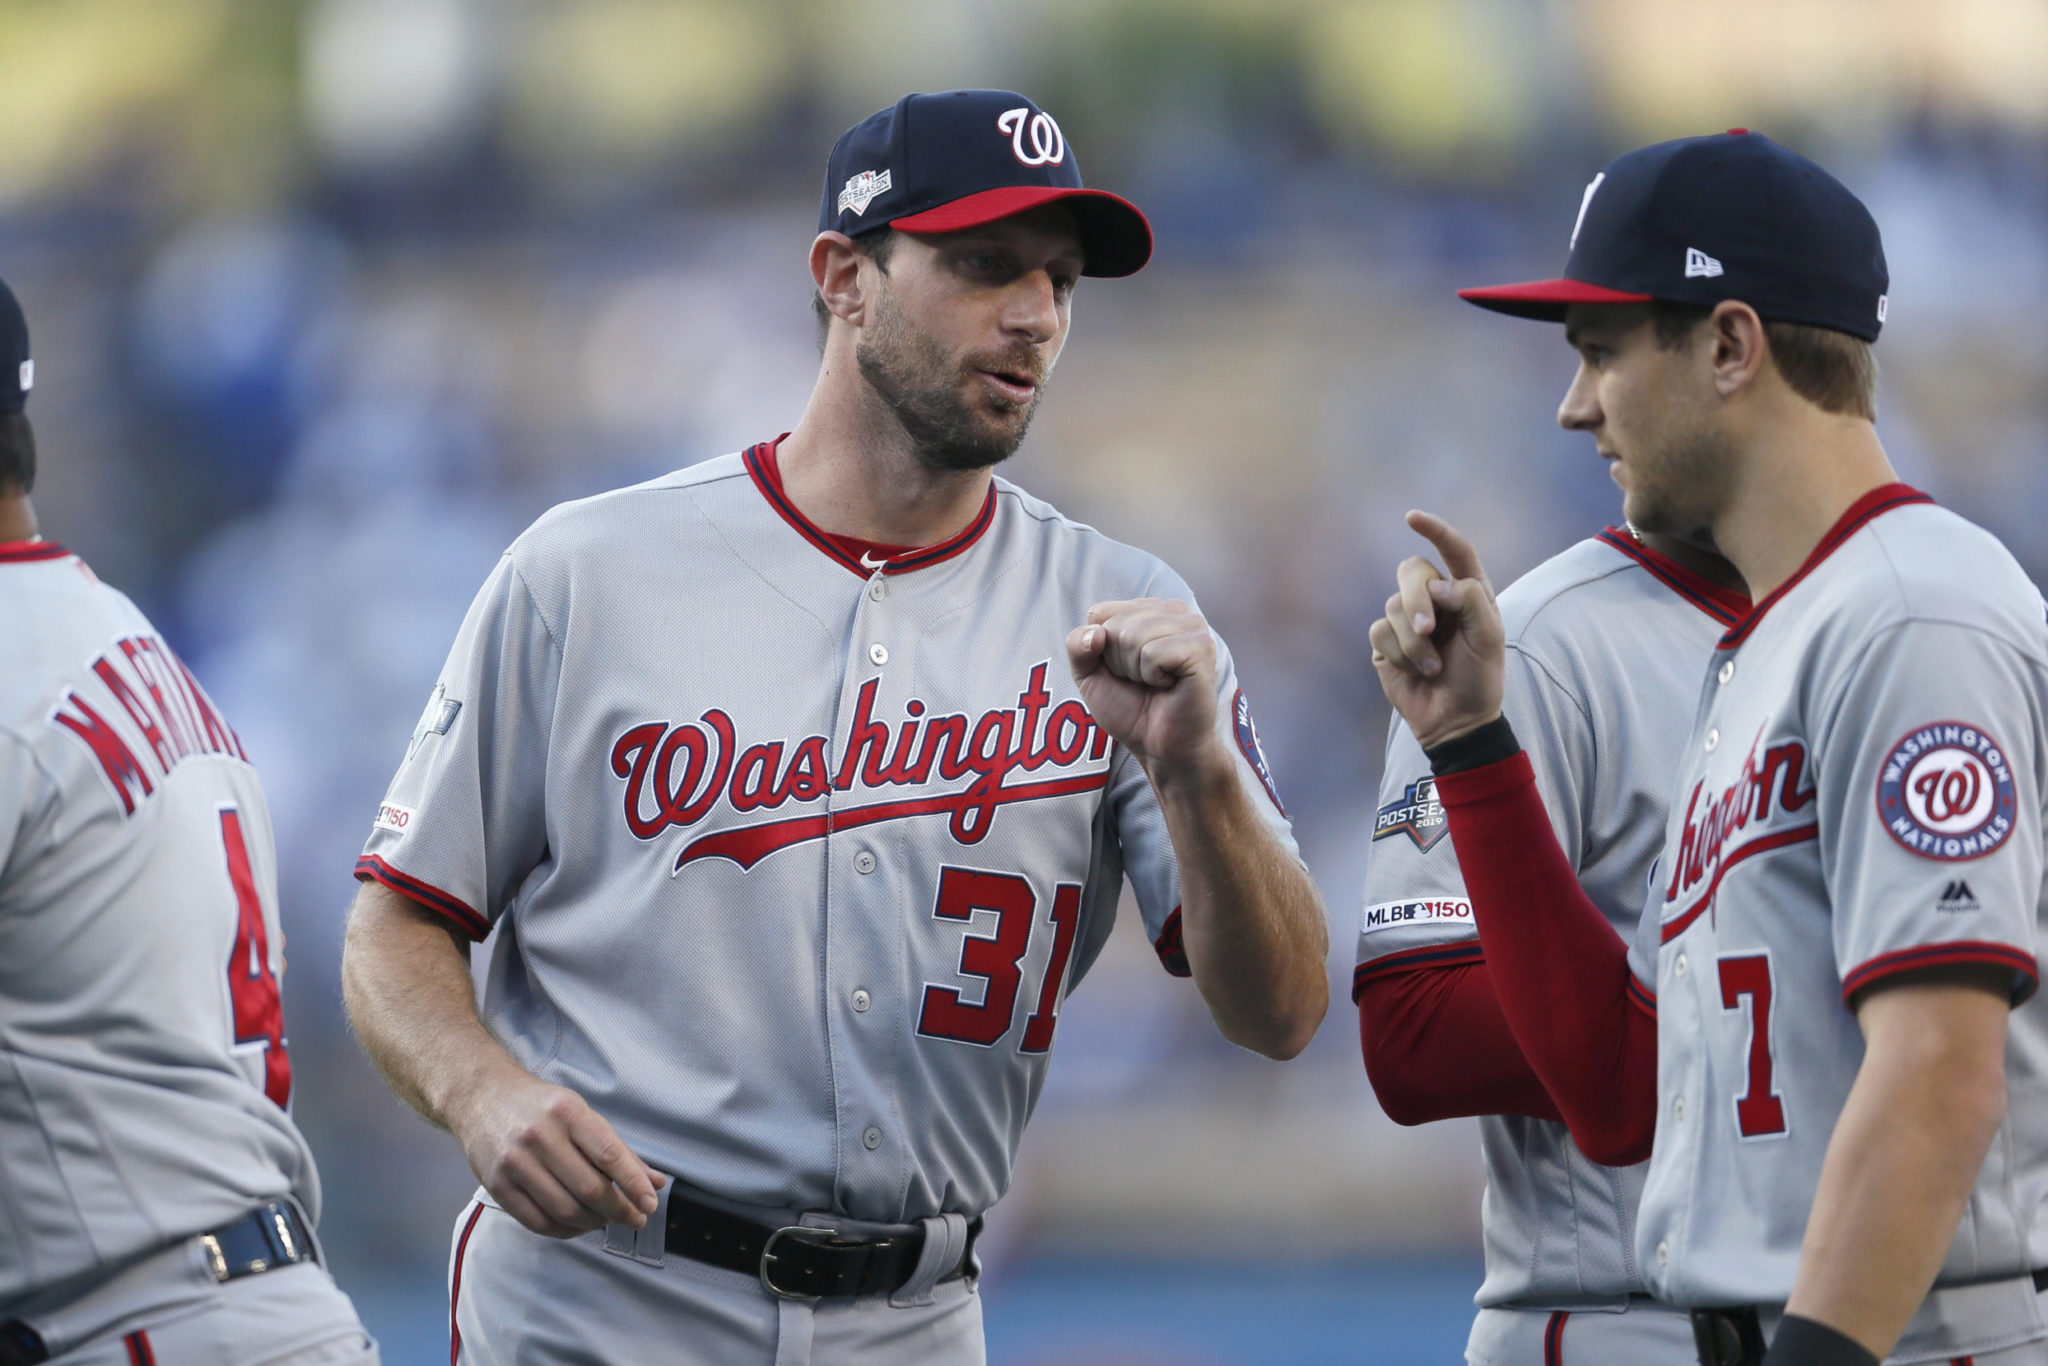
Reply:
x=1553, y=1338
x=371, y=867
x=455, y=1287
x=1762, y=844
x=1173, y=953
x=1407, y=960
x=1871, y=505
x=140, y=1353
x=1641, y=997
x=2026, y=970
x=749, y=846
x=27, y=552
x=1722, y=603
x=771, y=489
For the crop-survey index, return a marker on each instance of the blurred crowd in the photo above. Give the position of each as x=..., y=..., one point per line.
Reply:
x=330, y=299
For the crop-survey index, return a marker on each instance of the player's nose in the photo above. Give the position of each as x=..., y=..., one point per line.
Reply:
x=1580, y=410
x=1031, y=308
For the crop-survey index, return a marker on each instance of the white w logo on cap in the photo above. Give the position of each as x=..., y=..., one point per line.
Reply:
x=1048, y=145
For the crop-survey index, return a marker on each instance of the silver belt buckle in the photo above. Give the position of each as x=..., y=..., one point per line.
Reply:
x=216, y=1261
x=816, y=1237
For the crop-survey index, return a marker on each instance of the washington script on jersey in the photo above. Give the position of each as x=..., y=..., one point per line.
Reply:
x=1760, y=791
x=766, y=776
x=177, y=721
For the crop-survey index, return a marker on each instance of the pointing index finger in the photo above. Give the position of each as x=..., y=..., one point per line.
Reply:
x=1459, y=557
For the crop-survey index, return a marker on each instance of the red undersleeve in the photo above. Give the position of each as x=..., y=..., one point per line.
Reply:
x=1437, y=1046
x=1560, y=972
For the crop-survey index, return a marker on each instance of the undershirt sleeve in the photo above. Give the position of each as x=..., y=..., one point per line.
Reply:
x=1437, y=1046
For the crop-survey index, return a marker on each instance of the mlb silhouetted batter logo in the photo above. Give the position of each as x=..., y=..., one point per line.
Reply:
x=1418, y=815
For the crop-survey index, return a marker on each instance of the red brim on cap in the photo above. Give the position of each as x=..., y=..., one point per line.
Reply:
x=1115, y=237
x=1546, y=300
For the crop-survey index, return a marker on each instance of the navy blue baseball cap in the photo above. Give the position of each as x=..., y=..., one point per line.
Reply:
x=1699, y=220
x=17, y=370
x=962, y=158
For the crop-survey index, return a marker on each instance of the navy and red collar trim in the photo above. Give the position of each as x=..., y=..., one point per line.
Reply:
x=1723, y=604
x=902, y=564
x=1864, y=510
x=28, y=552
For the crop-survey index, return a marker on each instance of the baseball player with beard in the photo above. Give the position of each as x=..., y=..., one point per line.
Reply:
x=796, y=790
x=1605, y=646
x=156, y=1200
x=1846, y=1127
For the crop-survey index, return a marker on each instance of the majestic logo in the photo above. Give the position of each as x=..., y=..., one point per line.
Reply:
x=1247, y=732
x=862, y=190
x=1957, y=896
x=1698, y=262
x=435, y=720
x=1393, y=914
x=1585, y=203
x=1716, y=834
x=676, y=774
x=1418, y=815
x=1048, y=145
x=1946, y=792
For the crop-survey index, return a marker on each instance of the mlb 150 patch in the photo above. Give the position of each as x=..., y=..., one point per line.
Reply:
x=1946, y=792
x=1418, y=815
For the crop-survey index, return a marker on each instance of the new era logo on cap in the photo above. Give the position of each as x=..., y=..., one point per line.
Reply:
x=1698, y=263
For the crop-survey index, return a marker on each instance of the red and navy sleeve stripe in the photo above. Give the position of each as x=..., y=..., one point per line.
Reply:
x=140, y=1353
x=2026, y=972
x=1640, y=996
x=1409, y=960
x=1173, y=955
x=371, y=868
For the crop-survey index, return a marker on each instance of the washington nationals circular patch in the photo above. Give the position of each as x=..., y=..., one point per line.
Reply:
x=1946, y=792
x=1248, y=745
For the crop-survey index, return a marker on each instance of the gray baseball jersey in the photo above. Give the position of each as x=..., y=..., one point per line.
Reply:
x=790, y=861
x=1606, y=644
x=143, y=1070
x=1861, y=797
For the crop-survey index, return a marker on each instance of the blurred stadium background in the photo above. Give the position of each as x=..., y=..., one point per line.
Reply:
x=331, y=297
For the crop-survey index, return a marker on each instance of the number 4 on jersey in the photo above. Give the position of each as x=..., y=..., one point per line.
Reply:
x=252, y=987
x=997, y=959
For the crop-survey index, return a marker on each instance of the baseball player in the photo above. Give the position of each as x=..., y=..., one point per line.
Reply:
x=1846, y=1128
x=1605, y=646
x=796, y=790
x=156, y=1201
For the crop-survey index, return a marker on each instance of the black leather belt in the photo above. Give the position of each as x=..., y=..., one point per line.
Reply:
x=796, y=1262
x=264, y=1239
x=1734, y=1337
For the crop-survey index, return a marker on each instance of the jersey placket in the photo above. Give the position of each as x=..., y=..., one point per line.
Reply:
x=868, y=1021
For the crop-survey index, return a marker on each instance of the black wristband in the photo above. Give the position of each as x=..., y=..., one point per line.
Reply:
x=1803, y=1342
x=1490, y=744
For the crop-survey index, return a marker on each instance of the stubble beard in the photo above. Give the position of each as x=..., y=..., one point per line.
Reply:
x=1678, y=483
x=920, y=385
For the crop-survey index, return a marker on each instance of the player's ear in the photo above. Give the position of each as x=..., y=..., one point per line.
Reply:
x=1736, y=335
x=835, y=267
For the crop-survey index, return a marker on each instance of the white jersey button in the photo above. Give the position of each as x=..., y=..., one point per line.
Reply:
x=861, y=998
x=878, y=652
x=1663, y=1254
x=863, y=862
x=1678, y=968
x=1678, y=1107
x=1727, y=669
x=1713, y=738
x=872, y=1139
x=876, y=591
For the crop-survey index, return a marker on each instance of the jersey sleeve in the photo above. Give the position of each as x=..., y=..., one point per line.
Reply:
x=464, y=820
x=1417, y=912
x=1140, y=825
x=1928, y=780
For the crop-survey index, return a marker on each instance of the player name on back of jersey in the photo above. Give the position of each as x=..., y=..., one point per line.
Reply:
x=675, y=774
x=143, y=685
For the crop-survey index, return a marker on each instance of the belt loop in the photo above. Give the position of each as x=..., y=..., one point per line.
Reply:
x=648, y=1244
x=945, y=1243
x=793, y=1329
